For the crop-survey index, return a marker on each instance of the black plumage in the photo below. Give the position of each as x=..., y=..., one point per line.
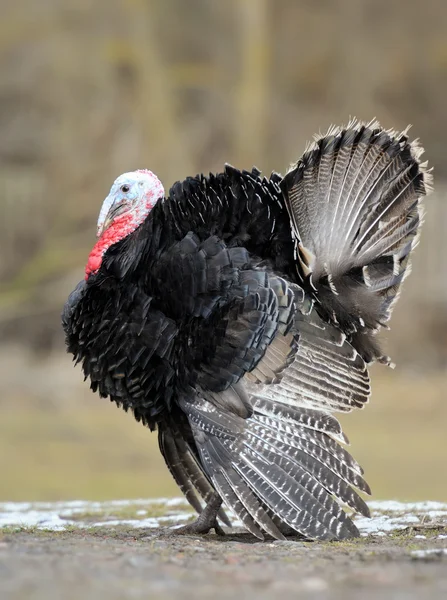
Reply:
x=243, y=311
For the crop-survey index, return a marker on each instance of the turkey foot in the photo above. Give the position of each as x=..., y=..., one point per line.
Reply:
x=206, y=521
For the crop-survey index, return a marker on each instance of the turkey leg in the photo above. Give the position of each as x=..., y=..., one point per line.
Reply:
x=206, y=521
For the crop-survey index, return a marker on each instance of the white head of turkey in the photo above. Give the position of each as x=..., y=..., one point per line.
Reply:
x=130, y=200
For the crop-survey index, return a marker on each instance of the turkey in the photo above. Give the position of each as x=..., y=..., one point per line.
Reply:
x=238, y=313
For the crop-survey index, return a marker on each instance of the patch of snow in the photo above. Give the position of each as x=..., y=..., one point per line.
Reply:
x=57, y=516
x=33, y=518
x=396, y=506
x=380, y=524
x=391, y=515
x=429, y=553
x=387, y=516
x=88, y=505
x=150, y=522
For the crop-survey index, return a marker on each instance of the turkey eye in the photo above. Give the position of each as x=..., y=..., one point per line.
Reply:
x=125, y=188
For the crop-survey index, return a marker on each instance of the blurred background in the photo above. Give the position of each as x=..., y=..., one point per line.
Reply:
x=90, y=90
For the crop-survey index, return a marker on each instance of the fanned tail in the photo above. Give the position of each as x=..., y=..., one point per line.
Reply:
x=354, y=203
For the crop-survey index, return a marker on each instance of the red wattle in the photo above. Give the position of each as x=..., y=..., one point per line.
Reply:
x=119, y=229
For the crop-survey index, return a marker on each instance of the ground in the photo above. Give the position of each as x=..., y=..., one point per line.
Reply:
x=128, y=550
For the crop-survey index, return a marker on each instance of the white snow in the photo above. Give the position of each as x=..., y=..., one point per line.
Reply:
x=390, y=515
x=58, y=515
x=429, y=553
x=387, y=516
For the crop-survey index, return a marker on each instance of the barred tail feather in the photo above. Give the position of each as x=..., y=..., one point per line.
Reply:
x=241, y=499
x=281, y=469
x=186, y=471
x=354, y=203
x=326, y=373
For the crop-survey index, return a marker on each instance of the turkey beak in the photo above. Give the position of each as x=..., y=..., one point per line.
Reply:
x=105, y=216
x=103, y=226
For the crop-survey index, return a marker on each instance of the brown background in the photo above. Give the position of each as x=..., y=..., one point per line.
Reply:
x=89, y=90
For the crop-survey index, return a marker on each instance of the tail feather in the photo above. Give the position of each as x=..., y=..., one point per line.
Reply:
x=217, y=457
x=327, y=371
x=308, y=418
x=396, y=201
x=293, y=494
x=280, y=468
x=321, y=465
x=321, y=449
x=186, y=471
x=378, y=168
x=199, y=481
x=356, y=144
x=354, y=203
x=388, y=239
x=169, y=451
x=245, y=504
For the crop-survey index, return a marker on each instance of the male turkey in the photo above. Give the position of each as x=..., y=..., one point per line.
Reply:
x=237, y=314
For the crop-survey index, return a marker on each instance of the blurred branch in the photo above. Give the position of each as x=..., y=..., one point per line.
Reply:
x=155, y=102
x=252, y=91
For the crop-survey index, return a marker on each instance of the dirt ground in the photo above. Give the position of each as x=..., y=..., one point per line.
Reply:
x=151, y=563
